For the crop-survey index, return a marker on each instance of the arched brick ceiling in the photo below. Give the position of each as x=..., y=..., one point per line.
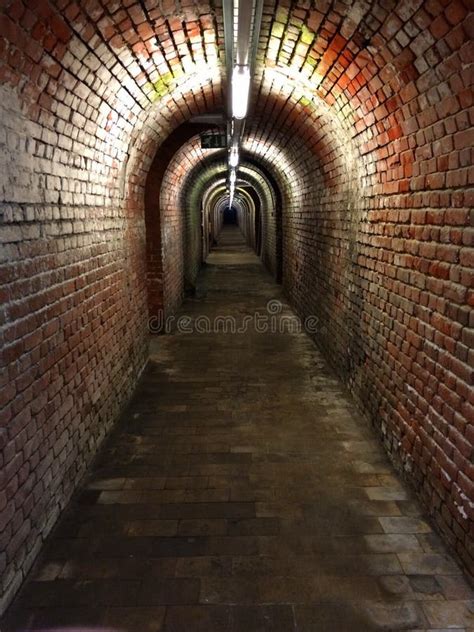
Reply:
x=128, y=75
x=107, y=75
x=384, y=68
x=216, y=194
x=133, y=56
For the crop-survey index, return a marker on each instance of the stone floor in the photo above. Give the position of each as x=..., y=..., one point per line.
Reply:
x=242, y=493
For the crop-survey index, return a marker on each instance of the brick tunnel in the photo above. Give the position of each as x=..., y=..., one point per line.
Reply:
x=236, y=413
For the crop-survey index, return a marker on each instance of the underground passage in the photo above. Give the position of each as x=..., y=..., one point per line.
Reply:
x=237, y=324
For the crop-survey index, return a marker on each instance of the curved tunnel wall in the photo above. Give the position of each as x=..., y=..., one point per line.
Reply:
x=213, y=217
x=248, y=207
x=181, y=223
x=270, y=215
x=84, y=109
x=362, y=114
x=379, y=248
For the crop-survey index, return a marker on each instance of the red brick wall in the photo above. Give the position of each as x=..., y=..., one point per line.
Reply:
x=213, y=202
x=72, y=281
x=270, y=213
x=378, y=223
x=89, y=92
x=245, y=207
x=165, y=219
x=181, y=201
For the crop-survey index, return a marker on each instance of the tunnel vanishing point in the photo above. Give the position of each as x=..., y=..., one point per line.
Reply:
x=237, y=326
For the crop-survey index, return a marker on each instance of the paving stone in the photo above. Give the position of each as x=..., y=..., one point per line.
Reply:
x=254, y=526
x=54, y=619
x=426, y=584
x=198, y=619
x=452, y=614
x=262, y=619
x=207, y=510
x=386, y=493
x=431, y=543
x=397, y=585
x=343, y=617
x=312, y=565
x=204, y=566
x=126, y=568
x=67, y=593
x=188, y=482
x=392, y=543
x=283, y=589
x=403, y=616
x=152, y=528
x=145, y=482
x=217, y=526
x=415, y=563
x=455, y=587
x=47, y=571
x=134, y=619
x=168, y=591
x=207, y=495
x=107, y=484
x=404, y=525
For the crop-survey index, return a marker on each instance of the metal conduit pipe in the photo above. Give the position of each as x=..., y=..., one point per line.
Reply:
x=242, y=23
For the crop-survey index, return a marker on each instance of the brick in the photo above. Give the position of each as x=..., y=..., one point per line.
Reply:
x=60, y=28
x=455, y=12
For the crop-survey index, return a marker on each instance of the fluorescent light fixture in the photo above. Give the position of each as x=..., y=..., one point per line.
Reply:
x=234, y=157
x=232, y=177
x=240, y=91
